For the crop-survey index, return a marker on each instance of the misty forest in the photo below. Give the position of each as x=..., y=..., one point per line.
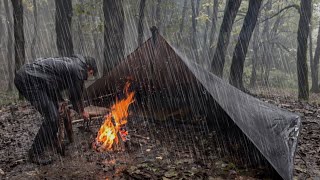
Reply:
x=159, y=89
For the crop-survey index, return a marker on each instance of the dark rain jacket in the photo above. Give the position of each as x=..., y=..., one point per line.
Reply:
x=56, y=75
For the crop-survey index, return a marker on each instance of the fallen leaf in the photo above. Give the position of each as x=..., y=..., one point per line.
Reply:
x=170, y=174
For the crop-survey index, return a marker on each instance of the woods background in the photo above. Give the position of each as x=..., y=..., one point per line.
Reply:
x=207, y=31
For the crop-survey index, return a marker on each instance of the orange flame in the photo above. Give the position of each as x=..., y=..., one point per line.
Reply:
x=114, y=122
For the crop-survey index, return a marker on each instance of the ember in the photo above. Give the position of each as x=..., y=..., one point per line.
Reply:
x=114, y=124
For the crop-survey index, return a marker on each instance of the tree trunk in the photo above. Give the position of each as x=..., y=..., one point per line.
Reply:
x=240, y=51
x=35, y=29
x=194, y=32
x=205, y=34
x=181, y=26
x=310, y=49
x=83, y=48
x=140, y=21
x=184, y=10
x=303, y=32
x=63, y=27
x=19, y=41
x=1, y=27
x=158, y=15
x=213, y=27
x=230, y=13
x=255, y=57
x=315, y=67
x=113, y=33
x=9, y=46
x=95, y=39
x=198, y=8
x=266, y=59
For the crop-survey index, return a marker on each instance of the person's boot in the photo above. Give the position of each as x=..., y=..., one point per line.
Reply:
x=40, y=159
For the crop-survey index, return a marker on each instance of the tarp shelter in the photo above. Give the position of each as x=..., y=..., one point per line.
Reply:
x=156, y=66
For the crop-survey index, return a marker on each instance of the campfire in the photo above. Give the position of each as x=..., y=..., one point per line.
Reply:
x=113, y=130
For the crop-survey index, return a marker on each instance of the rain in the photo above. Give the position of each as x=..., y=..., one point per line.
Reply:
x=159, y=89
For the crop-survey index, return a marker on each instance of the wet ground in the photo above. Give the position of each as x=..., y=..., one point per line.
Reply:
x=156, y=150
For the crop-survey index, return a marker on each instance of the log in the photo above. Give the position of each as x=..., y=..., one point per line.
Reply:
x=82, y=120
x=97, y=111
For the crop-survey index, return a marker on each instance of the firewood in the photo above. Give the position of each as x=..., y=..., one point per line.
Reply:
x=96, y=111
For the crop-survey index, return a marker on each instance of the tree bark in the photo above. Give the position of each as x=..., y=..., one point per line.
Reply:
x=213, y=27
x=266, y=58
x=230, y=13
x=158, y=15
x=1, y=27
x=95, y=38
x=113, y=33
x=63, y=27
x=253, y=78
x=311, y=50
x=35, y=29
x=303, y=32
x=198, y=8
x=140, y=21
x=194, y=32
x=315, y=67
x=81, y=34
x=19, y=41
x=184, y=10
x=181, y=26
x=205, y=34
x=9, y=46
x=240, y=51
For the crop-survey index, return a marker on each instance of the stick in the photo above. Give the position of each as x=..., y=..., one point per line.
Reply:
x=81, y=120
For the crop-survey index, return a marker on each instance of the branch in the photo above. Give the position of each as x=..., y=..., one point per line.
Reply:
x=281, y=46
x=283, y=9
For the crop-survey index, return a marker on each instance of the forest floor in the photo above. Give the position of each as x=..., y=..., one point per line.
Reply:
x=157, y=151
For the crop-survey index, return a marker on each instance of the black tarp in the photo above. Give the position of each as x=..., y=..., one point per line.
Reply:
x=157, y=67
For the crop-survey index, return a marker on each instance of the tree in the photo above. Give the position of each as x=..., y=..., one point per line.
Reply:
x=140, y=21
x=213, y=27
x=184, y=10
x=158, y=15
x=63, y=27
x=230, y=13
x=35, y=29
x=113, y=33
x=255, y=57
x=19, y=42
x=240, y=51
x=266, y=55
x=9, y=45
x=1, y=26
x=182, y=22
x=303, y=32
x=205, y=34
x=194, y=31
x=315, y=66
x=81, y=35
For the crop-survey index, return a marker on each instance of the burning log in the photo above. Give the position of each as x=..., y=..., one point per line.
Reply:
x=113, y=132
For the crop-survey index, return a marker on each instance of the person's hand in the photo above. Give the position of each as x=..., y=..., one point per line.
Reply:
x=85, y=115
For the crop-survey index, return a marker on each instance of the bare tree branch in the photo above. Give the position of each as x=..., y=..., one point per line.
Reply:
x=283, y=9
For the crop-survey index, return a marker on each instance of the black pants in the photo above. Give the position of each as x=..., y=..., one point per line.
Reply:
x=46, y=102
